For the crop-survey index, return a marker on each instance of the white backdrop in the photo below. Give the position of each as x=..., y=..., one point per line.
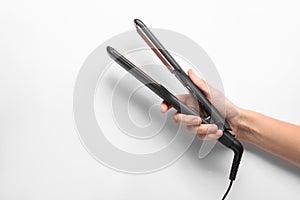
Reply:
x=254, y=44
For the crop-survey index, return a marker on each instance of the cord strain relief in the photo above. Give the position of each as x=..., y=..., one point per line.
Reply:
x=238, y=152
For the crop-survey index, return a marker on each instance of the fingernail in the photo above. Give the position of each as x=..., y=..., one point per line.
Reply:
x=219, y=133
x=196, y=121
x=212, y=129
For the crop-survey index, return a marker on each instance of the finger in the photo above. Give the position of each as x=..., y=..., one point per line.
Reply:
x=199, y=82
x=203, y=114
x=187, y=119
x=188, y=100
x=203, y=129
x=210, y=136
x=164, y=107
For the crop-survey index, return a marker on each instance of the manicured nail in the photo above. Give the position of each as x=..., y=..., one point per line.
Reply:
x=196, y=121
x=212, y=129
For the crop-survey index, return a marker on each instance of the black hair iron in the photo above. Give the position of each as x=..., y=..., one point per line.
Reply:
x=227, y=139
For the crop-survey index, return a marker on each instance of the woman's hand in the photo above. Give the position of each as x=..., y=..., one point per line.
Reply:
x=272, y=135
x=193, y=123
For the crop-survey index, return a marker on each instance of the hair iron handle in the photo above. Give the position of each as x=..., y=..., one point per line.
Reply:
x=227, y=139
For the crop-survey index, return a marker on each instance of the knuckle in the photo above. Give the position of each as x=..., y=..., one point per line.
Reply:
x=177, y=117
x=201, y=136
x=200, y=130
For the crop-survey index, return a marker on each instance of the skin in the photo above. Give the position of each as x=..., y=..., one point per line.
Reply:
x=277, y=137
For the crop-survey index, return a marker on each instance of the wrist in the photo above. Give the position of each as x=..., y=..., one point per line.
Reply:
x=235, y=121
x=242, y=126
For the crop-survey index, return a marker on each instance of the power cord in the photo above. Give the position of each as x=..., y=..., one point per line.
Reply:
x=228, y=189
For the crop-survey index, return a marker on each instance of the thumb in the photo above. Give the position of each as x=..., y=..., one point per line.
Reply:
x=199, y=82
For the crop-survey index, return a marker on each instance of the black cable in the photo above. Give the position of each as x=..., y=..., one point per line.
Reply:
x=228, y=189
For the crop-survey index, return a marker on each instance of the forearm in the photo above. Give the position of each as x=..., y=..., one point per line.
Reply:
x=272, y=135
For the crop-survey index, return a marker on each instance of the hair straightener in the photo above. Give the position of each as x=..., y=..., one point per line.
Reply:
x=215, y=117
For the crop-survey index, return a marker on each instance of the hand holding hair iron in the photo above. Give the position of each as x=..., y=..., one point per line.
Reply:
x=227, y=138
x=215, y=117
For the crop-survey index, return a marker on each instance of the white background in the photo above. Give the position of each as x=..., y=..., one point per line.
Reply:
x=254, y=44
